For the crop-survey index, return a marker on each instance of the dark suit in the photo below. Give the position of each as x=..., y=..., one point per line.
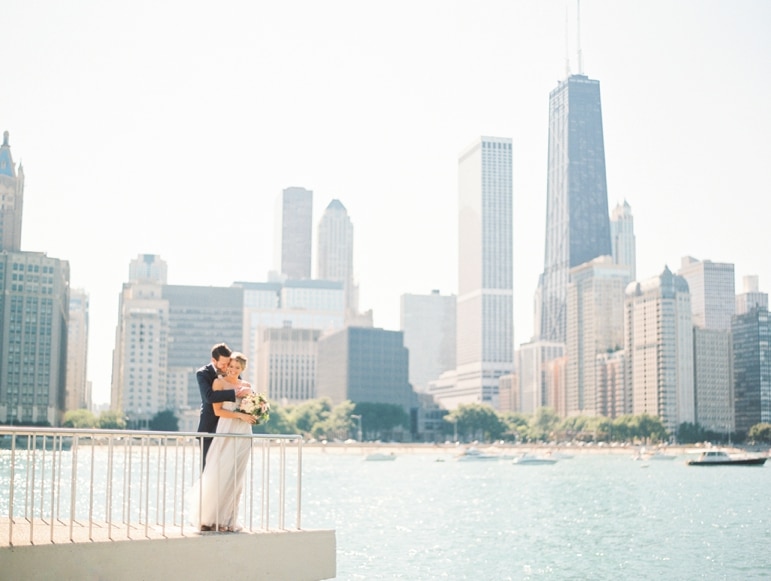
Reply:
x=208, y=422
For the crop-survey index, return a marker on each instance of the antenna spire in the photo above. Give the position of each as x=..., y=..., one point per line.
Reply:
x=567, y=45
x=578, y=26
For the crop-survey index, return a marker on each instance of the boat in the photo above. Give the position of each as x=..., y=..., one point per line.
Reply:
x=642, y=454
x=658, y=455
x=721, y=458
x=380, y=457
x=475, y=454
x=531, y=459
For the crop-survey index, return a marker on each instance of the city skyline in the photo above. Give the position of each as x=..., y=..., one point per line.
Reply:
x=141, y=124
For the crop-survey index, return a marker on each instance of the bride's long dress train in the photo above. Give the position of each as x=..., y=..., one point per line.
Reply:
x=222, y=480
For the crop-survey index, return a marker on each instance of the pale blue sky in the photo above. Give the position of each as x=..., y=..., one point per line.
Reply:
x=169, y=127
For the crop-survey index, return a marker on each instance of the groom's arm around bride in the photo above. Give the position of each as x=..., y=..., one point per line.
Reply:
x=220, y=358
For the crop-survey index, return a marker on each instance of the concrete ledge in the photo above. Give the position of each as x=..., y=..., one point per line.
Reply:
x=306, y=555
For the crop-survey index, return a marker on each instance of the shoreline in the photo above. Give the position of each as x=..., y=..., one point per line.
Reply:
x=453, y=448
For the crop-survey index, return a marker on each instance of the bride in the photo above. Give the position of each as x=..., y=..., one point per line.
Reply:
x=215, y=497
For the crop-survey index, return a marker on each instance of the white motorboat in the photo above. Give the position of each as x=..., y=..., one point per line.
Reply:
x=475, y=454
x=530, y=459
x=380, y=457
x=721, y=458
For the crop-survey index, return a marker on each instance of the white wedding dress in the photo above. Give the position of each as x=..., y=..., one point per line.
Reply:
x=222, y=480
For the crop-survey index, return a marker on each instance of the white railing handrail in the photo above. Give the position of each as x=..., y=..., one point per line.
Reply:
x=131, y=483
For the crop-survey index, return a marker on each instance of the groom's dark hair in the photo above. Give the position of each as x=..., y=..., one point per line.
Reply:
x=220, y=350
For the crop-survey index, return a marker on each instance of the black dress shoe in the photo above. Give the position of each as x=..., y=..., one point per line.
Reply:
x=206, y=528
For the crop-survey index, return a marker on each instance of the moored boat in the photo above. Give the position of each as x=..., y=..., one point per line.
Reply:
x=380, y=457
x=475, y=454
x=721, y=458
x=535, y=460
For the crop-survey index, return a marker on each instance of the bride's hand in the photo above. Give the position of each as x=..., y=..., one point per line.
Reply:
x=248, y=418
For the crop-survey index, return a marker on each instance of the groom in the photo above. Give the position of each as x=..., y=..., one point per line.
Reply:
x=220, y=358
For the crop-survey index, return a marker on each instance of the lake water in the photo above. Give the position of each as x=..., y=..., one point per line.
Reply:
x=588, y=517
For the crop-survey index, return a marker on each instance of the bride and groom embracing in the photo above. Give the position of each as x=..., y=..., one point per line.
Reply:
x=215, y=497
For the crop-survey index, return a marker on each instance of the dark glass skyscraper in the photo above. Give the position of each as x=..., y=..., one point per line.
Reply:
x=577, y=219
x=751, y=335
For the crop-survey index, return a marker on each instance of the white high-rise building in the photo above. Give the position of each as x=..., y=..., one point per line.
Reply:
x=751, y=298
x=713, y=304
x=148, y=268
x=335, y=252
x=613, y=399
x=595, y=325
x=429, y=324
x=294, y=233
x=533, y=359
x=164, y=333
x=485, y=320
x=303, y=310
x=658, y=334
x=286, y=364
x=78, y=388
x=622, y=238
x=713, y=293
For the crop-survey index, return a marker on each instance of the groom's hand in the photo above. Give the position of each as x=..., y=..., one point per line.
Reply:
x=243, y=391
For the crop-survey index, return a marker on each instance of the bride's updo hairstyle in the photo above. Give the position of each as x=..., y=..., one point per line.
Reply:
x=240, y=357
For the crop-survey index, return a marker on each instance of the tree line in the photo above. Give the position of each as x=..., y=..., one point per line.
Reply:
x=319, y=419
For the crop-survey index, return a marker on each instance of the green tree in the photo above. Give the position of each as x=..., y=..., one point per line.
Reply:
x=760, y=433
x=544, y=424
x=516, y=425
x=652, y=428
x=624, y=428
x=690, y=433
x=477, y=421
x=112, y=420
x=379, y=420
x=82, y=419
x=164, y=421
x=308, y=413
x=280, y=422
x=337, y=423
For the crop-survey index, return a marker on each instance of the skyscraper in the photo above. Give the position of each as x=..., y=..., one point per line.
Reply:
x=335, y=251
x=164, y=333
x=485, y=303
x=595, y=325
x=34, y=311
x=428, y=323
x=623, y=239
x=577, y=222
x=364, y=365
x=713, y=292
x=533, y=360
x=658, y=334
x=751, y=297
x=34, y=308
x=713, y=304
x=11, y=199
x=78, y=386
x=752, y=368
x=294, y=231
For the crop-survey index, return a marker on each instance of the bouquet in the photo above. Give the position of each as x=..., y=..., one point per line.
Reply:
x=256, y=405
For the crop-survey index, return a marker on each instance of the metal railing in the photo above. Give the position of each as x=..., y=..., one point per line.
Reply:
x=71, y=485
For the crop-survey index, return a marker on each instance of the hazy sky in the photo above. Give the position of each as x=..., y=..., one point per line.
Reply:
x=170, y=127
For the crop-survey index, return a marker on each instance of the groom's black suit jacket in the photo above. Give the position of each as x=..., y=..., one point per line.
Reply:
x=208, y=422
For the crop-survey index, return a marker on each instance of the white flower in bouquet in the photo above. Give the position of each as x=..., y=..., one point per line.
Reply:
x=257, y=405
